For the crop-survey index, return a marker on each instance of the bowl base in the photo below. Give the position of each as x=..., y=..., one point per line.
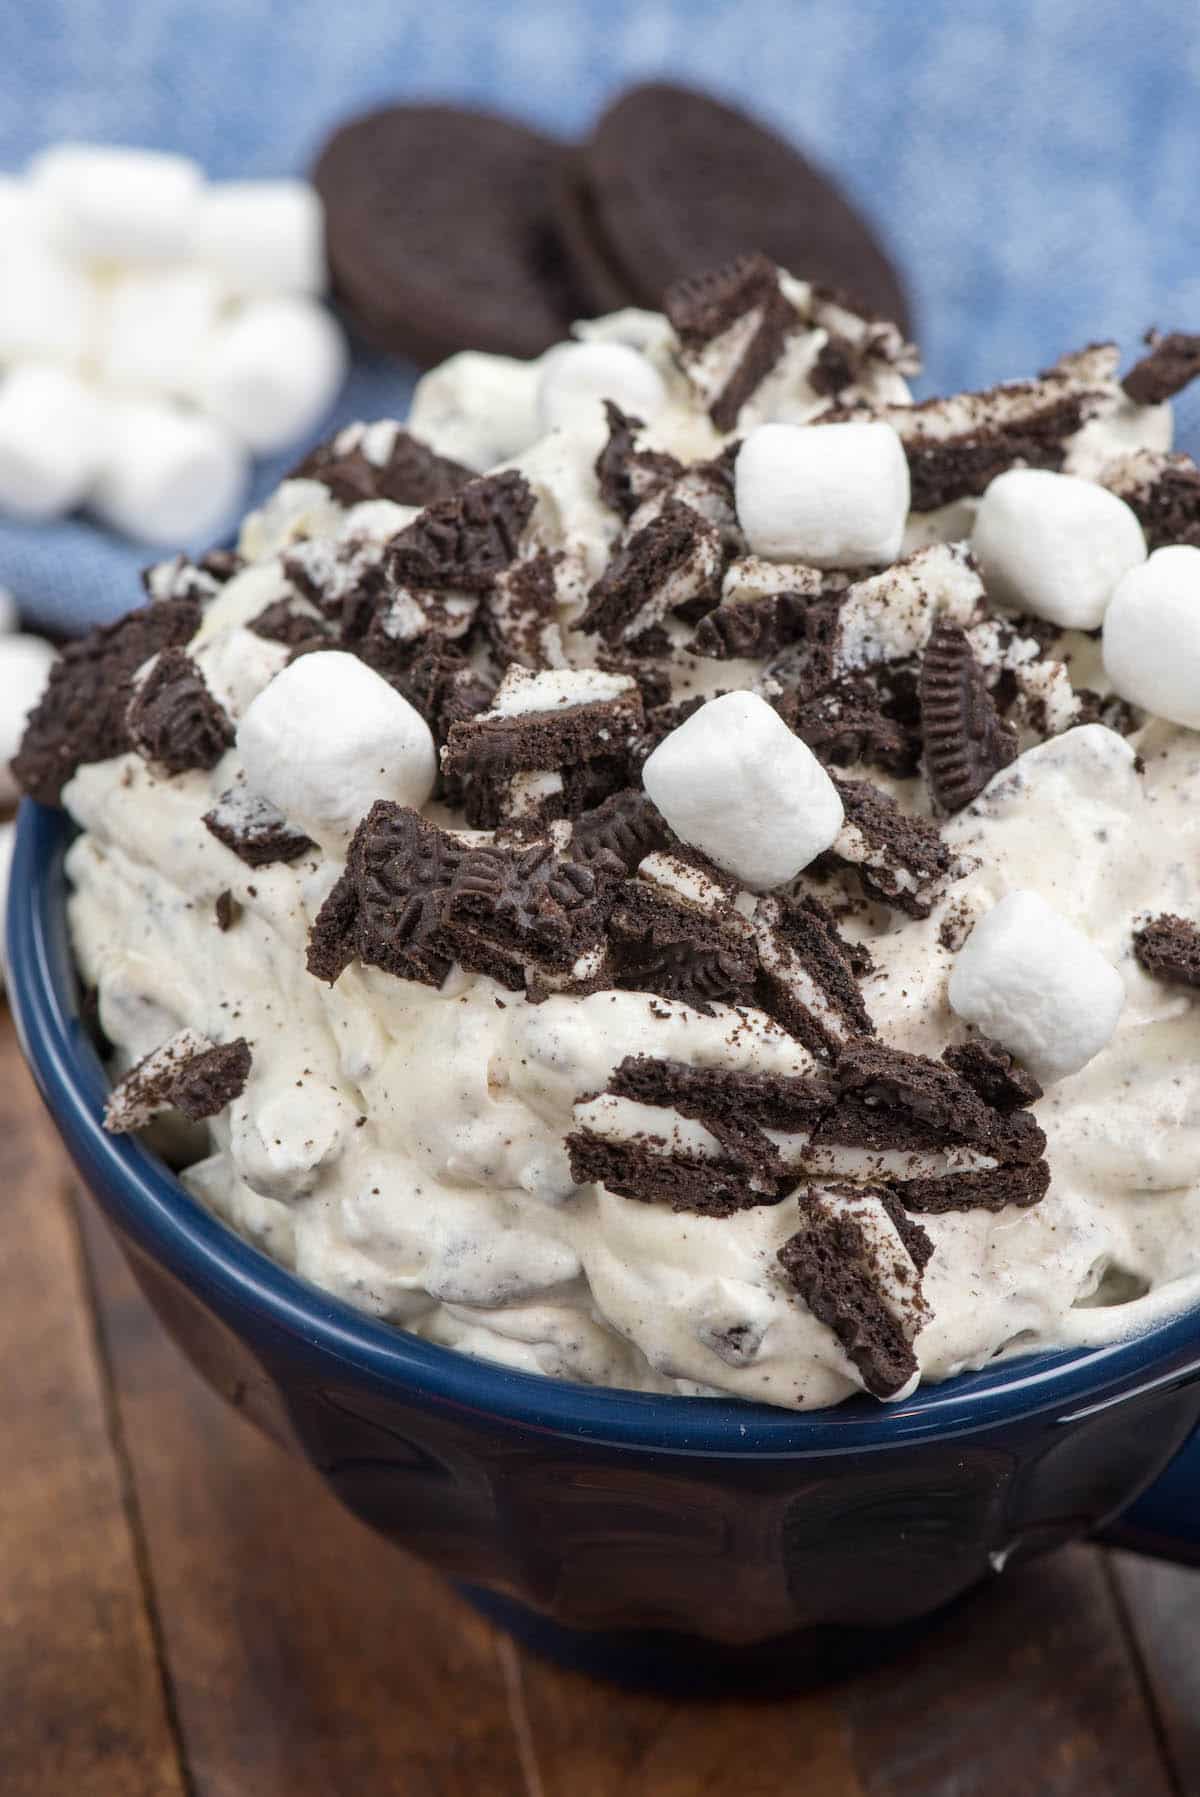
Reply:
x=679, y=1665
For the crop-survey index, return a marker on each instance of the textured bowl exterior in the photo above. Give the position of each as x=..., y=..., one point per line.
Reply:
x=605, y=1510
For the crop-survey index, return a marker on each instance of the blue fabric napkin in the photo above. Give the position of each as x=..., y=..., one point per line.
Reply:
x=1032, y=165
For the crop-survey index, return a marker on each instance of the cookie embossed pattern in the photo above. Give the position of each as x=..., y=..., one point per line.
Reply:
x=610, y=914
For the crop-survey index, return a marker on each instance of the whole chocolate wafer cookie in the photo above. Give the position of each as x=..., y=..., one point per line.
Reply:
x=674, y=182
x=439, y=232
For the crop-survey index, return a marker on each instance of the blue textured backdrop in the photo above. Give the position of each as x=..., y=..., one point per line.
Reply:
x=1032, y=163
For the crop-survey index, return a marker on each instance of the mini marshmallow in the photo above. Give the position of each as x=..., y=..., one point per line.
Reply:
x=168, y=476
x=25, y=663
x=263, y=236
x=1033, y=981
x=48, y=307
x=835, y=495
x=737, y=784
x=273, y=372
x=477, y=409
x=577, y=377
x=22, y=218
x=327, y=738
x=1152, y=636
x=1055, y=545
x=156, y=323
x=109, y=205
x=52, y=440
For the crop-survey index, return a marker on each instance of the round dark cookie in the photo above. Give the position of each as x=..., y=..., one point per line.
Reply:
x=439, y=232
x=679, y=182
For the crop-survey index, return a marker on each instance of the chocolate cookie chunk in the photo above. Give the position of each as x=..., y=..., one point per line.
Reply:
x=188, y=1073
x=807, y=978
x=83, y=714
x=181, y=578
x=674, y=930
x=381, y=461
x=464, y=542
x=1169, y=948
x=966, y=740
x=254, y=830
x=1173, y=363
x=673, y=558
x=1163, y=492
x=678, y=182
x=174, y=720
x=628, y=825
x=991, y=1071
x=856, y=1260
x=440, y=232
x=900, y=860
x=742, y=309
x=629, y=475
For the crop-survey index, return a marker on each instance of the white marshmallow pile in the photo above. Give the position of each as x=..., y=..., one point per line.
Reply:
x=156, y=331
x=734, y=782
x=327, y=738
x=1055, y=545
x=1152, y=636
x=1028, y=977
x=832, y=495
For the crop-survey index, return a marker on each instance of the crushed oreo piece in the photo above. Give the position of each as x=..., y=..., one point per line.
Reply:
x=988, y=1188
x=900, y=860
x=381, y=461
x=181, y=578
x=1173, y=363
x=672, y=559
x=414, y=899
x=560, y=735
x=639, y=1170
x=1163, y=492
x=808, y=666
x=254, y=830
x=807, y=976
x=856, y=1261
x=82, y=714
x=847, y=723
x=462, y=543
x=836, y=367
x=227, y=910
x=966, y=740
x=188, y=1073
x=956, y=446
x=992, y=1072
x=628, y=825
x=674, y=931
x=173, y=720
x=628, y=476
x=1168, y=947
x=752, y=628
x=520, y=613
x=294, y=622
x=733, y=325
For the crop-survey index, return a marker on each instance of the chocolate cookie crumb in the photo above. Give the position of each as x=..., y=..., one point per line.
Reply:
x=255, y=830
x=83, y=714
x=966, y=741
x=464, y=542
x=1173, y=363
x=704, y=308
x=227, y=909
x=174, y=720
x=629, y=475
x=187, y=1073
x=1168, y=947
x=380, y=461
x=992, y=1072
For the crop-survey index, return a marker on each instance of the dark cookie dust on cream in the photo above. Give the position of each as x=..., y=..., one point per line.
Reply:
x=690, y=899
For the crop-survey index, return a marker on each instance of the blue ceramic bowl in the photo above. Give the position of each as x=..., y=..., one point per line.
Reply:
x=623, y=1530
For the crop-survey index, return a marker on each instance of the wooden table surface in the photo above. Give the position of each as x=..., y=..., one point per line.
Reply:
x=184, y=1611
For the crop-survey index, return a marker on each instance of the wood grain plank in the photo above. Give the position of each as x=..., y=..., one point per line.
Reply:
x=82, y=1708
x=307, y=1656
x=1163, y=1606
x=1030, y=1686
x=593, y=1741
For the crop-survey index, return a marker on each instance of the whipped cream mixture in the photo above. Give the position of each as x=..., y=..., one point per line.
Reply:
x=405, y=1144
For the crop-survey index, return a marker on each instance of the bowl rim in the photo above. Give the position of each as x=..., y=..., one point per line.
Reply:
x=207, y=1254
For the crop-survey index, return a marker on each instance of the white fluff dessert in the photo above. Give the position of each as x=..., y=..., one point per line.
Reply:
x=686, y=908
